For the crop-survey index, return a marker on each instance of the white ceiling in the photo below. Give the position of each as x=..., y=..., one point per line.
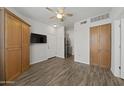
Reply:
x=42, y=15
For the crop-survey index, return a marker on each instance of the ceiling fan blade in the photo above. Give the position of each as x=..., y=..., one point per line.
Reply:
x=68, y=14
x=52, y=17
x=49, y=9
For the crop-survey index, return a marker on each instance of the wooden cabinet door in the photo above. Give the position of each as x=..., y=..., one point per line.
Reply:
x=94, y=45
x=2, y=76
x=25, y=46
x=12, y=32
x=12, y=63
x=100, y=45
x=105, y=44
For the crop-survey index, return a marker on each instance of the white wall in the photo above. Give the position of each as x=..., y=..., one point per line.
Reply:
x=51, y=39
x=82, y=39
x=118, y=48
x=60, y=49
x=38, y=52
x=116, y=14
x=81, y=42
x=115, y=57
x=122, y=48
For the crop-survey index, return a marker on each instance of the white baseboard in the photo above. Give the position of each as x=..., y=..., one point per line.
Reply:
x=81, y=62
x=34, y=62
x=115, y=73
x=60, y=57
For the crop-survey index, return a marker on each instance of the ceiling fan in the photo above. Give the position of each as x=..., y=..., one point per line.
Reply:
x=60, y=14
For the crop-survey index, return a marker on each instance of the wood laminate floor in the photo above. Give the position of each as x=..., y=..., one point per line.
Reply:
x=62, y=72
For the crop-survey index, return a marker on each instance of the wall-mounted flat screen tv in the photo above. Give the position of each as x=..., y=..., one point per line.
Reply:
x=38, y=38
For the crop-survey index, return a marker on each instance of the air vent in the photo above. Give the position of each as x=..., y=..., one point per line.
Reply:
x=98, y=18
x=84, y=22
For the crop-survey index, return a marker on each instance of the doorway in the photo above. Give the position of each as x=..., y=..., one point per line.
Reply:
x=100, y=46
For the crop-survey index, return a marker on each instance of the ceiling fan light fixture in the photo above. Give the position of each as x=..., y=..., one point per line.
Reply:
x=59, y=16
x=55, y=25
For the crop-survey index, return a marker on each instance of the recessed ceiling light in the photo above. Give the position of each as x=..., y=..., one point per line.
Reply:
x=54, y=25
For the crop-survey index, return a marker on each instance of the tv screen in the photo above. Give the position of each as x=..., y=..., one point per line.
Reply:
x=37, y=38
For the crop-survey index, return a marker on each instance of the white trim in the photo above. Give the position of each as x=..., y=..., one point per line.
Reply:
x=38, y=61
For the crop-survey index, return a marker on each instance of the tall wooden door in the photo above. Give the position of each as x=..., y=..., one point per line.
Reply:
x=12, y=47
x=105, y=45
x=100, y=45
x=94, y=54
x=25, y=46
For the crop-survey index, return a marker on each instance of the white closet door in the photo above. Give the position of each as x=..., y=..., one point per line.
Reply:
x=51, y=46
x=122, y=48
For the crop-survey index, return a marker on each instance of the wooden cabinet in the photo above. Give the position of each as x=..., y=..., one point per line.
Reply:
x=2, y=70
x=12, y=32
x=25, y=46
x=12, y=63
x=100, y=45
x=14, y=46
